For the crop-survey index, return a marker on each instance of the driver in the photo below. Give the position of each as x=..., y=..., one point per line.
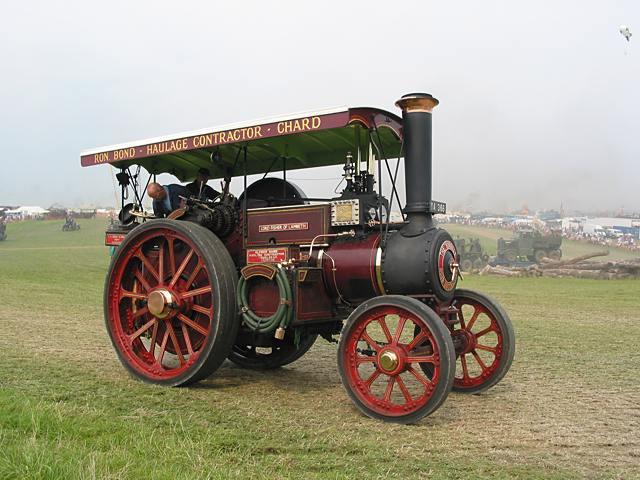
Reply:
x=199, y=188
x=166, y=198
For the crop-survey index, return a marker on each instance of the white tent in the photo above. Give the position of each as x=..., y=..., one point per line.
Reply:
x=26, y=212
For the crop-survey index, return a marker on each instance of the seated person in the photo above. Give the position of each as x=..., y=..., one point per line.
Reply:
x=199, y=188
x=166, y=198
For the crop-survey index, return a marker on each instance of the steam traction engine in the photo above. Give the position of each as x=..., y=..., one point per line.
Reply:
x=256, y=279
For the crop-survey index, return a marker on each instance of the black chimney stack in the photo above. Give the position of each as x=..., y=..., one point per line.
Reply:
x=419, y=258
x=416, y=121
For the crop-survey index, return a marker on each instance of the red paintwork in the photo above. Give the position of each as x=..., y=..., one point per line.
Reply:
x=264, y=296
x=259, y=270
x=113, y=239
x=471, y=340
x=373, y=117
x=234, y=244
x=355, y=272
x=214, y=138
x=272, y=254
x=422, y=350
x=312, y=300
x=139, y=271
x=287, y=225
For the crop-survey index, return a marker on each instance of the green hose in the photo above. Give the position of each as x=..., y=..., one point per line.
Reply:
x=281, y=317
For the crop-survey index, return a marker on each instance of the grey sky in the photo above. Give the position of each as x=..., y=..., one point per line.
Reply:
x=539, y=100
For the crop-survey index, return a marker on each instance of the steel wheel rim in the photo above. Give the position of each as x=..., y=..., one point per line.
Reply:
x=161, y=345
x=480, y=356
x=420, y=350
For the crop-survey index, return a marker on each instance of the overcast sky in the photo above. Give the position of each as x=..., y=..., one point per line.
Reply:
x=539, y=100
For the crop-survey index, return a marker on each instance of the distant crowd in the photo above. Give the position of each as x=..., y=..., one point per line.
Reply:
x=625, y=241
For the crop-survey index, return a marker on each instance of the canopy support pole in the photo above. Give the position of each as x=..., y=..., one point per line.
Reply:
x=284, y=177
x=245, y=220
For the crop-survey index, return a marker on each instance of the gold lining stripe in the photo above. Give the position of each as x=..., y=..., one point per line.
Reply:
x=379, y=271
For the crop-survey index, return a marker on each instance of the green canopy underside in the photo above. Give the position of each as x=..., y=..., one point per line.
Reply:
x=300, y=150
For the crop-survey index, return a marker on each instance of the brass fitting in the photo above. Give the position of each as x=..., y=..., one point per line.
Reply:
x=279, y=333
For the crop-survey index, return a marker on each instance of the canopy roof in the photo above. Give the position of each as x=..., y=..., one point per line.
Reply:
x=304, y=140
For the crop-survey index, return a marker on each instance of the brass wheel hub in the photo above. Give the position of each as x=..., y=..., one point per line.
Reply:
x=389, y=361
x=160, y=302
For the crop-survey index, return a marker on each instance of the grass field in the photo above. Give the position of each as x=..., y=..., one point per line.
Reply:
x=569, y=408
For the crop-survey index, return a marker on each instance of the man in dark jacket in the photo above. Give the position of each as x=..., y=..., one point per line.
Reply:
x=166, y=198
x=199, y=188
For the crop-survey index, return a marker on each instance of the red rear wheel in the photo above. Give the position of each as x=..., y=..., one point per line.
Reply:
x=169, y=302
x=485, y=342
x=383, y=347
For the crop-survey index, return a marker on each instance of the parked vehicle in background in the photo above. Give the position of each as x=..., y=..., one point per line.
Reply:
x=70, y=225
x=530, y=244
x=471, y=254
x=593, y=229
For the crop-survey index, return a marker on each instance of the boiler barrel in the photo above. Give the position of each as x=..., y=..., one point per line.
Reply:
x=351, y=268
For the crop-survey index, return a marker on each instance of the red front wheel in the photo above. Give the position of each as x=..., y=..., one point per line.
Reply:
x=384, y=345
x=484, y=340
x=170, y=303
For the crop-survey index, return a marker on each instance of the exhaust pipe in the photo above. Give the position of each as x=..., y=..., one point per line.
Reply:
x=419, y=259
x=416, y=126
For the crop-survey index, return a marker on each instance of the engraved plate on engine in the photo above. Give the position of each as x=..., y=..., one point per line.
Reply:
x=289, y=225
x=437, y=207
x=283, y=227
x=345, y=212
x=267, y=255
x=113, y=239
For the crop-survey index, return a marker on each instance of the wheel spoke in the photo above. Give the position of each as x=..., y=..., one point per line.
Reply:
x=484, y=332
x=383, y=324
x=389, y=389
x=196, y=326
x=204, y=310
x=196, y=292
x=463, y=362
x=461, y=317
x=154, y=337
x=176, y=345
x=365, y=336
x=476, y=313
x=372, y=378
x=416, y=340
x=127, y=294
x=181, y=268
x=138, y=274
x=147, y=264
x=419, y=377
x=403, y=389
x=163, y=347
x=141, y=330
x=421, y=359
x=360, y=359
x=479, y=360
x=399, y=328
x=140, y=312
x=487, y=348
x=194, y=274
x=187, y=338
x=161, y=264
x=172, y=255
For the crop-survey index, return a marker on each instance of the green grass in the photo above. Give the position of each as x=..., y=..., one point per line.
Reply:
x=567, y=409
x=570, y=248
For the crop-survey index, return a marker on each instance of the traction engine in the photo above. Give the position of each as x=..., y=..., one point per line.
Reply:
x=257, y=279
